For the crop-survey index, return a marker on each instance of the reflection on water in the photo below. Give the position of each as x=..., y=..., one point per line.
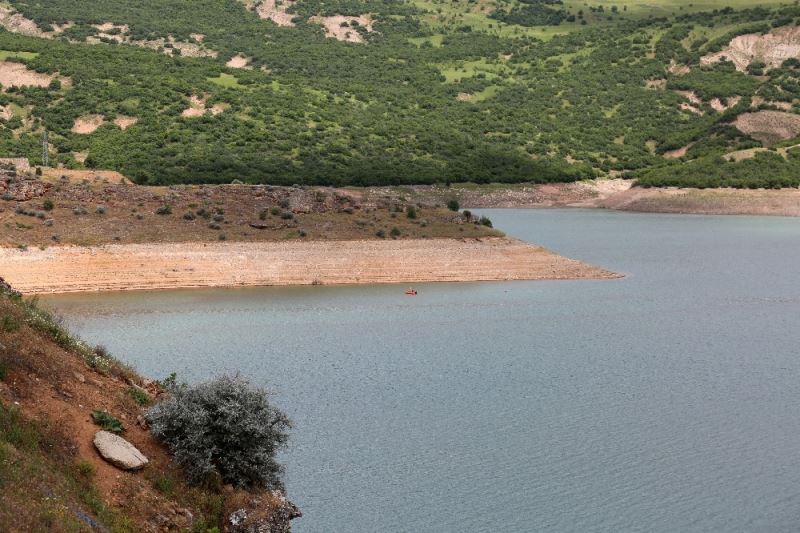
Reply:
x=664, y=401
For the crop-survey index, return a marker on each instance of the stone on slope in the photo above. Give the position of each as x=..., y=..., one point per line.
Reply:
x=118, y=451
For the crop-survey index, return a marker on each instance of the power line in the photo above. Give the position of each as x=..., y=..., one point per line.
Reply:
x=45, y=151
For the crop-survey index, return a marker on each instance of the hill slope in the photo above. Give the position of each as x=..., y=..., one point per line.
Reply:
x=367, y=92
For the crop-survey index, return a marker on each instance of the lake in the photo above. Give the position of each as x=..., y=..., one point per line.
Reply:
x=664, y=401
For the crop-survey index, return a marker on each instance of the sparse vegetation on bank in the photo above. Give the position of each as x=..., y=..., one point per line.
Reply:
x=51, y=476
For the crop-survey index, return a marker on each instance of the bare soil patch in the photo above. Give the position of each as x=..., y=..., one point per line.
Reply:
x=197, y=107
x=13, y=74
x=120, y=33
x=83, y=178
x=678, y=69
x=125, y=122
x=772, y=48
x=341, y=27
x=88, y=124
x=691, y=96
x=216, y=109
x=275, y=10
x=721, y=105
x=769, y=127
x=16, y=23
x=238, y=61
x=678, y=152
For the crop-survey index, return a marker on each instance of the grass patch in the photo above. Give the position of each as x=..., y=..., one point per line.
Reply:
x=434, y=40
x=228, y=81
x=165, y=484
x=7, y=54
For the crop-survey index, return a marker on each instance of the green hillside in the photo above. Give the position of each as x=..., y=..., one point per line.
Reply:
x=430, y=91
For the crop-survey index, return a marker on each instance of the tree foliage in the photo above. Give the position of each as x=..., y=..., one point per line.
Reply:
x=225, y=427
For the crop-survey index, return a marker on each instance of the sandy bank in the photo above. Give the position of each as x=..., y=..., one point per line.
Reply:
x=168, y=266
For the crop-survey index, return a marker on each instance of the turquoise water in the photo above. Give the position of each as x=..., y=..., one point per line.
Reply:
x=664, y=401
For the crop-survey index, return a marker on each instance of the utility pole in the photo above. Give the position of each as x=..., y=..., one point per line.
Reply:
x=45, y=151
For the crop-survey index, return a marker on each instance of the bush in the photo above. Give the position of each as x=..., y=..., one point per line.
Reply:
x=453, y=205
x=395, y=232
x=224, y=427
x=139, y=396
x=47, y=205
x=411, y=212
x=486, y=222
x=380, y=234
x=164, y=210
x=189, y=216
x=107, y=421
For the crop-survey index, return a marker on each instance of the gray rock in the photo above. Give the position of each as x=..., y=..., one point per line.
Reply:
x=259, y=518
x=118, y=451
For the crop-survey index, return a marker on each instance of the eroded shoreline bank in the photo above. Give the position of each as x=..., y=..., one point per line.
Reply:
x=64, y=269
x=615, y=194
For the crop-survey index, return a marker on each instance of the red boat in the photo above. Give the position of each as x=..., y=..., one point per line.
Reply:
x=411, y=292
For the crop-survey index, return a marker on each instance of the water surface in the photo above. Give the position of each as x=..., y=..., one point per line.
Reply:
x=664, y=401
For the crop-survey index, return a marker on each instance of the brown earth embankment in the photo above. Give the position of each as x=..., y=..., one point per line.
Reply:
x=616, y=194
x=156, y=266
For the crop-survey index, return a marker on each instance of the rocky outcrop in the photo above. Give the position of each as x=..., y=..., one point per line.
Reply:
x=21, y=189
x=272, y=513
x=772, y=48
x=118, y=451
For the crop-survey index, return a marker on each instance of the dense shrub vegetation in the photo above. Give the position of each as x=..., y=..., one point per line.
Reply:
x=419, y=102
x=224, y=428
x=766, y=170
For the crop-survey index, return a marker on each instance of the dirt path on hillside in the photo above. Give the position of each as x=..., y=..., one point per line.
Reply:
x=158, y=266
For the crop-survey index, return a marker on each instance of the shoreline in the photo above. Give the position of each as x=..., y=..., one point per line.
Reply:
x=127, y=267
x=614, y=194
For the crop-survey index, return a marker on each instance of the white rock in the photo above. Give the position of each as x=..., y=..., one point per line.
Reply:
x=118, y=451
